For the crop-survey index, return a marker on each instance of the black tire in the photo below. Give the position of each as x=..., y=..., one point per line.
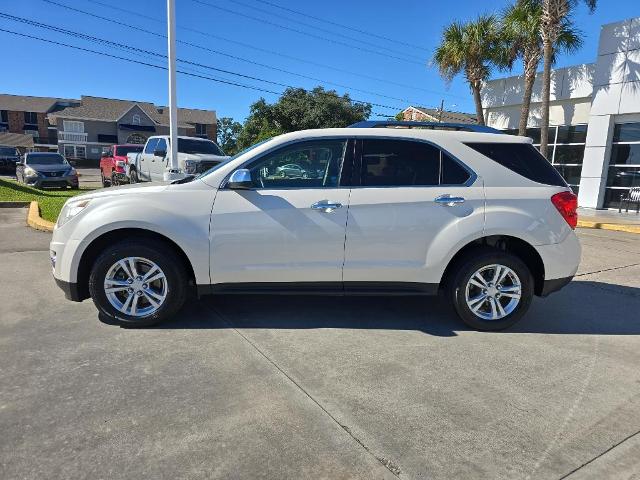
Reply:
x=133, y=176
x=105, y=184
x=114, y=180
x=464, y=270
x=163, y=256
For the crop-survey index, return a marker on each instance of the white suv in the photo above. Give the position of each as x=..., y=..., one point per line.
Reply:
x=481, y=217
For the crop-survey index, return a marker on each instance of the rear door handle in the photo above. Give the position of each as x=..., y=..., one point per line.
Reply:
x=326, y=206
x=448, y=201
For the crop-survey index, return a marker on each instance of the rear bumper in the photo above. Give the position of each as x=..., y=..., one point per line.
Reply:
x=554, y=285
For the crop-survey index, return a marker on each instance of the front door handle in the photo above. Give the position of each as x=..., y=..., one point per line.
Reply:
x=448, y=201
x=326, y=206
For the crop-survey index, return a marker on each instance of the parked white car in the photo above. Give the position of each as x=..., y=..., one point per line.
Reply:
x=481, y=217
x=195, y=156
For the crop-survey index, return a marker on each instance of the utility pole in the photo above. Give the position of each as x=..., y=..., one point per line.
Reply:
x=441, y=109
x=172, y=170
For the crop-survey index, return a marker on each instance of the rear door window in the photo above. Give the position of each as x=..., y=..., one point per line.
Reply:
x=523, y=159
x=398, y=163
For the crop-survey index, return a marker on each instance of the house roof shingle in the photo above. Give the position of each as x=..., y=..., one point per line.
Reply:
x=21, y=103
x=447, y=116
x=111, y=109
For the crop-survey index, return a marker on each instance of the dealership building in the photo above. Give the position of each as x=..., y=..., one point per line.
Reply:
x=594, y=134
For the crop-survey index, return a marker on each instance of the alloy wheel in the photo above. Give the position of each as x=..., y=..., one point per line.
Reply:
x=135, y=286
x=493, y=292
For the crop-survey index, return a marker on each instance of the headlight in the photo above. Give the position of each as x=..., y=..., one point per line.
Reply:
x=71, y=171
x=190, y=166
x=70, y=210
x=120, y=163
x=30, y=172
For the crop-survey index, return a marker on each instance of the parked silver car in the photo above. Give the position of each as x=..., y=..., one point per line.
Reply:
x=46, y=169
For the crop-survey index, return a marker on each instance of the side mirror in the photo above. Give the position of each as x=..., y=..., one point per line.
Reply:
x=160, y=153
x=240, y=180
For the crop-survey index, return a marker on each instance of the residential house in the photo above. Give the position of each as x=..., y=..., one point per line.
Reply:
x=25, y=118
x=86, y=128
x=81, y=129
x=422, y=114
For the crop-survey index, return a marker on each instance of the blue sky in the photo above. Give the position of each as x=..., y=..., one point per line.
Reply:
x=31, y=67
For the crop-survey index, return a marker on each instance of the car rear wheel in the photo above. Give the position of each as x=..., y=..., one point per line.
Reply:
x=491, y=290
x=138, y=283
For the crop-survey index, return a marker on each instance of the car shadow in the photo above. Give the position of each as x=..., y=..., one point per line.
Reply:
x=581, y=308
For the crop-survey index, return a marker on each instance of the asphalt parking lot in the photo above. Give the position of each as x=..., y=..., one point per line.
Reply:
x=321, y=387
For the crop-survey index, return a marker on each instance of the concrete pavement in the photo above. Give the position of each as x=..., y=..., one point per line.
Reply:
x=320, y=387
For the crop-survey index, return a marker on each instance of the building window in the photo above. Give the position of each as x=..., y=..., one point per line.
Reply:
x=75, y=152
x=624, y=163
x=4, y=120
x=565, y=149
x=73, y=126
x=201, y=130
x=31, y=118
x=135, y=120
x=136, y=139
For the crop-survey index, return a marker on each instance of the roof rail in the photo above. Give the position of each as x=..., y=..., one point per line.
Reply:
x=459, y=127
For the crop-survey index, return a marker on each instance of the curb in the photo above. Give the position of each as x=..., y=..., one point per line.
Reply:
x=34, y=220
x=617, y=227
x=14, y=204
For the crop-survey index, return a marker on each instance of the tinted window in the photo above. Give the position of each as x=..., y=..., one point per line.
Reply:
x=309, y=164
x=45, y=159
x=451, y=172
x=8, y=151
x=572, y=134
x=122, y=151
x=151, y=145
x=521, y=158
x=398, y=163
x=186, y=145
x=403, y=163
x=626, y=132
x=628, y=154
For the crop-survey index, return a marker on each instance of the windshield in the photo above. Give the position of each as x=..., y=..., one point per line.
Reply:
x=186, y=145
x=248, y=149
x=8, y=151
x=46, y=159
x=122, y=151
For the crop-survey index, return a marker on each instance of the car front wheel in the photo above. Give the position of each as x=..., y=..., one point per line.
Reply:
x=138, y=283
x=133, y=176
x=491, y=290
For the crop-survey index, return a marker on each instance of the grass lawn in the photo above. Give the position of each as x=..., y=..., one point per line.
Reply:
x=50, y=200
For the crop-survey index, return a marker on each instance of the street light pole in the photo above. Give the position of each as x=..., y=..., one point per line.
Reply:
x=172, y=170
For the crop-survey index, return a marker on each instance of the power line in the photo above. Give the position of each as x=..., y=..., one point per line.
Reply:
x=308, y=34
x=242, y=44
x=218, y=52
x=348, y=27
x=156, y=54
x=331, y=32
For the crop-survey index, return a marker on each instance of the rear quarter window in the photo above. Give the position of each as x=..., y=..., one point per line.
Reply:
x=523, y=159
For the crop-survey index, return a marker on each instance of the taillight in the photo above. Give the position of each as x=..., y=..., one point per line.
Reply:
x=567, y=204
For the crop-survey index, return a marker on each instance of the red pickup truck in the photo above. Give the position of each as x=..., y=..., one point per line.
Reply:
x=113, y=164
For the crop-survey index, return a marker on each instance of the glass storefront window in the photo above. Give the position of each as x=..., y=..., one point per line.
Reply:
x=572, y=134
x=624, y=163
x=572, y=154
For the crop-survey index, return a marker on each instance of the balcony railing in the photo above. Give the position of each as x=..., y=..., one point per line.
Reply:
x=72, y=136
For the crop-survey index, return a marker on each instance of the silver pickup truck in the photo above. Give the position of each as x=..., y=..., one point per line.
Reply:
x=195, y=155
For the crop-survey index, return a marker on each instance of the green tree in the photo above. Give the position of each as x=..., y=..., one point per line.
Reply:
x=521, y=23
x=227, y=133
x=556, y=14
x=472, y=49
x=300, y=109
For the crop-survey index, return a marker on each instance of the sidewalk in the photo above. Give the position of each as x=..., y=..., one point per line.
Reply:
x=609, y=220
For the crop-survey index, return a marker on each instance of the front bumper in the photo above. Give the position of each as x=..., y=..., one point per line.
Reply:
x=71, y=290
x=44, y=182
x=554, y=285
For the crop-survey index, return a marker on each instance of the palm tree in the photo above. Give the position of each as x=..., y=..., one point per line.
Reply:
x=521, y=23
x=555, y=15
x=469, y=48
